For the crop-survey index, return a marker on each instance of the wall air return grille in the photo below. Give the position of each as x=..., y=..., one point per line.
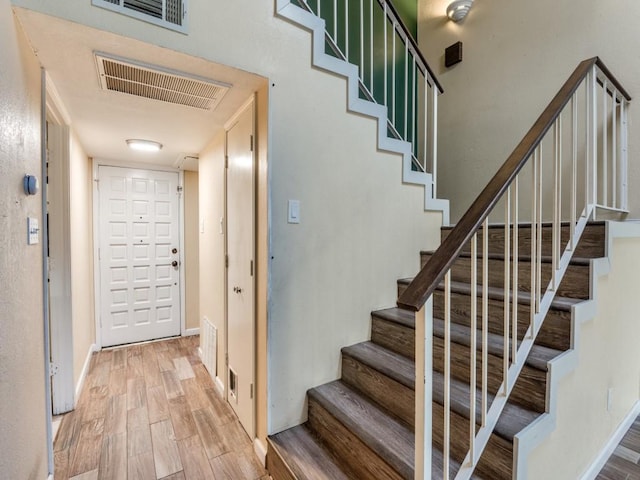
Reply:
x=166, y=13
x=126, y=76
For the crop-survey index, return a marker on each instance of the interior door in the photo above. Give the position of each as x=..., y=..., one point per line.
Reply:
x=240, y=273
x=138, y=254
x=59, y=271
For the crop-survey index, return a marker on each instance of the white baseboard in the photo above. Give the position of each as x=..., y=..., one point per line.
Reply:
x=83, y=374
x=260, y=450
x=611, y=445
x=191, y=331
x=220, y=385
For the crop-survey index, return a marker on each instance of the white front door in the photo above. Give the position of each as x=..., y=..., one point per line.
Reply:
x=139, y=255
x=240, y=274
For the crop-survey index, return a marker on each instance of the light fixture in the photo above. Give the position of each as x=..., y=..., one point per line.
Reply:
x=457, y=10
x=144, y=145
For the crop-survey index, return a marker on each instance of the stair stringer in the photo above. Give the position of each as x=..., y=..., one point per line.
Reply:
x=581, y=313
x=355, y=104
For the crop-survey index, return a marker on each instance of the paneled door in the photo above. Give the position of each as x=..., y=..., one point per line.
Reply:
x=138, y=255
x=240, y=273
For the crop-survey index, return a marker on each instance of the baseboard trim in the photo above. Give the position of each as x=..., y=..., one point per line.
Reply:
x=191, y=331
x=260, y=450
x=220, y=385
x=83, y=374
x=613, y=442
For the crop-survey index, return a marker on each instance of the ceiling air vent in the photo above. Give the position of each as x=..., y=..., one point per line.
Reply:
x=148, y=81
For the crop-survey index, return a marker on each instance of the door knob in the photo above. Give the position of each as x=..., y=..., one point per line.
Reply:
x=237, y=289
x=174, y=250
x=174, y=263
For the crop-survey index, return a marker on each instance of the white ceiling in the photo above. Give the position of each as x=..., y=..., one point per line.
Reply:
x=103, y=120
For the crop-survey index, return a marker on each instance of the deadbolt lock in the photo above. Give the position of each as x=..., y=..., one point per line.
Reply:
x=174, y=250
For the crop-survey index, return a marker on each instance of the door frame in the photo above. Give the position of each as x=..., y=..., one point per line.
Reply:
x=97, y=162
x=250, y=103
x=56, y=145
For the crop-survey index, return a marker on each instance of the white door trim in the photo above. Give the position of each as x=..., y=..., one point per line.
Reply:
x=59, y=239
x=97, y=162
x=45, y=276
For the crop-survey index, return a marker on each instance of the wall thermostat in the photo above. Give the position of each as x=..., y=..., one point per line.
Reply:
x=30, y=184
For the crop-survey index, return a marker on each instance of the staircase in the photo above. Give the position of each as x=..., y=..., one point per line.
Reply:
x=361, y=426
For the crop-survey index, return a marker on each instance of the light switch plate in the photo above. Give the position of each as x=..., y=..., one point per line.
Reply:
x=293, y=215
x=33, y=231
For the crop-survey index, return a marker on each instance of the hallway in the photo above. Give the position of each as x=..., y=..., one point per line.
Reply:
x=152, y=411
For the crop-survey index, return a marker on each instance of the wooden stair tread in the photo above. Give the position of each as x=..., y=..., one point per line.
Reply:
x=495, y=293
x=391, y=364
x=582, y=261
x=460, y=334
x=387, y=437
x=305, y=456
x=522, y=225
x=396, y=315
x=512, y=420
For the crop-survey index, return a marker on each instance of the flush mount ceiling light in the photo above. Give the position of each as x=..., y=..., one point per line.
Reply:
x=144, y=145
x=457, y=10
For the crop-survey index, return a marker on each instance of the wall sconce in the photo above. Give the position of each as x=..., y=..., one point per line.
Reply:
x=459, y=9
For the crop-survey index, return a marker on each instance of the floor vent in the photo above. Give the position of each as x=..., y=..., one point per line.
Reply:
x=209, y=346
x=148, y=81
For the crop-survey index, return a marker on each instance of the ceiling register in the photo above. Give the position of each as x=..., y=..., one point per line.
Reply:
x=149, y=81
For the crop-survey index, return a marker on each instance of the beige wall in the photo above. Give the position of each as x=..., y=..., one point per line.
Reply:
x=191, y=250
x=81, y=223
x=608, y=357
x=22, y=393
x=211, y=241
x=361, y=229
x=517, y=54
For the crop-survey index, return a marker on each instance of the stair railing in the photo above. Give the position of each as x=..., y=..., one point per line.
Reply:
x=570, y=163
x=392, y=70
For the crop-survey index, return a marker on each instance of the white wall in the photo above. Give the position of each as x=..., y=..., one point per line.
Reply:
x=517, y=54
x=361, y=228
x=81, y=223
x=22, y=393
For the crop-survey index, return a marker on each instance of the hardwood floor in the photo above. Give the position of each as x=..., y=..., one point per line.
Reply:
x=624, y=462
x=152, y=412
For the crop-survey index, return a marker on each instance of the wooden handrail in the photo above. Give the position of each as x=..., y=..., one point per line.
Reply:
x=424, y=284
x=412, y=41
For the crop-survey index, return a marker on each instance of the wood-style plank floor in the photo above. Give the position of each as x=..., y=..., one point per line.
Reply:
x=152, y=412
x=624, y=462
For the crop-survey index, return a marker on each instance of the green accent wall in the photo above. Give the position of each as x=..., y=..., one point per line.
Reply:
x=342, y=21
x=408, y=10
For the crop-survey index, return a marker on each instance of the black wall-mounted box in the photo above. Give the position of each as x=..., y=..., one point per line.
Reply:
x=453, y=54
